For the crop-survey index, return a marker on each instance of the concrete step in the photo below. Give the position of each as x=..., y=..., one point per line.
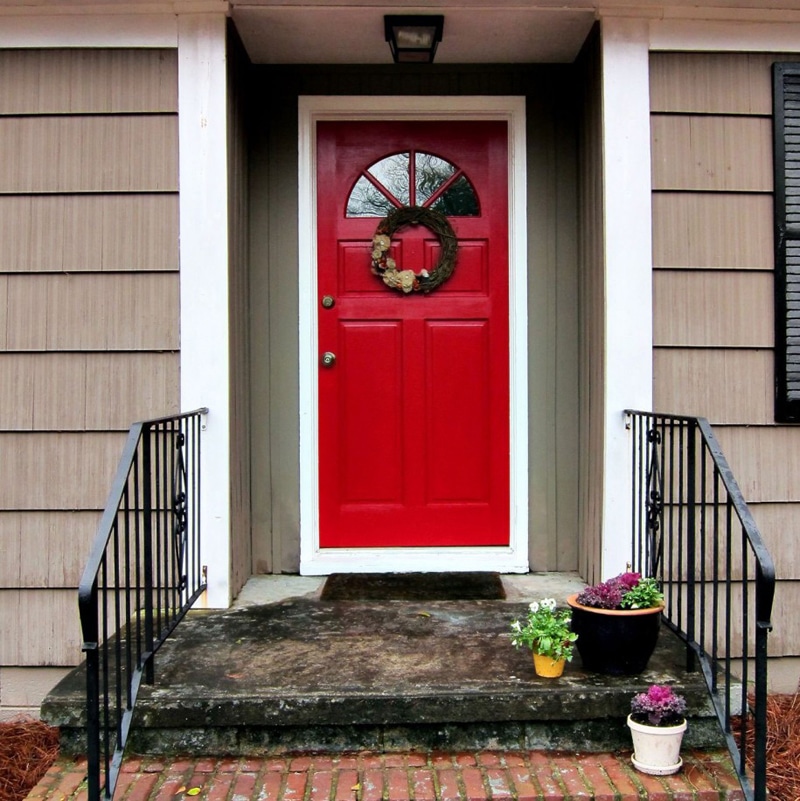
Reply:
x=305, y=675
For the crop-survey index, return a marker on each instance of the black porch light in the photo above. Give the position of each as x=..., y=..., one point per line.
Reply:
x=413, y=37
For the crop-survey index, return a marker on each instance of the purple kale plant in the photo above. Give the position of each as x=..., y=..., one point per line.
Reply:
x=628, y=580
x=659, y=706
x=625, y=591
x=606, y=595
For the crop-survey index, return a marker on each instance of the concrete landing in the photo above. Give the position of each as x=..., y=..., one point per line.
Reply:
x=300, y=674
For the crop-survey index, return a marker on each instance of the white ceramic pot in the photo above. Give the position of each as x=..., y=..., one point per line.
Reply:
x=656, y=749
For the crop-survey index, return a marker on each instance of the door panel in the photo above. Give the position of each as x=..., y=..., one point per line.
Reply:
x=458, y=439
x=414, y=414
x=372, y=456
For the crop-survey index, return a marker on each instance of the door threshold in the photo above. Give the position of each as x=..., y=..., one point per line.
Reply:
x=497, y=559
x=519, y=588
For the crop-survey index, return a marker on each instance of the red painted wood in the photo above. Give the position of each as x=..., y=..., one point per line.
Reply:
x=458, y=444
x=413, y=417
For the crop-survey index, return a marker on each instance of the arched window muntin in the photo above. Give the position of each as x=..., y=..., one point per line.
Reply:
x=412, y=178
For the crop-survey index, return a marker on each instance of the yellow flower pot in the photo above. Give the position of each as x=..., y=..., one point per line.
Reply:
x=547, y=667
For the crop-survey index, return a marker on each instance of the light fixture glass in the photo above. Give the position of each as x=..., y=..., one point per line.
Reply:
x=413, y=38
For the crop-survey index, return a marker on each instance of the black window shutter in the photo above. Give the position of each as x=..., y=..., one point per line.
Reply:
x=786, y=127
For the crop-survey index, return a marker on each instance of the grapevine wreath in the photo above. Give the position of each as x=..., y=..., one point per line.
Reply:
x=407, y=280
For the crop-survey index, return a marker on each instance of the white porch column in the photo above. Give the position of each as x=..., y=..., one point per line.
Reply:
x=205, y=366
x=628, y=263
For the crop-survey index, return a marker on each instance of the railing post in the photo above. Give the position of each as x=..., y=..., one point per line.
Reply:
x=760, y=714
x=765, y=585
x=691, y=545
x=147, y=552
x=90, y=648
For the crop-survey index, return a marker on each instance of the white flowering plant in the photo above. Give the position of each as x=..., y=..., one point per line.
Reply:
x=546, y=630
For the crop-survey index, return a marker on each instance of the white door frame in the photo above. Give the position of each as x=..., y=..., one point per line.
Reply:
x=505, y=559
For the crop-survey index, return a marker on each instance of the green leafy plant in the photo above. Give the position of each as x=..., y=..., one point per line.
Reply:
x=545, y=630
x=644, y=595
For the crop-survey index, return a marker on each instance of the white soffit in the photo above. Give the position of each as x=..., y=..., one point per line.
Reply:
x=351, y=35
x=119, y=30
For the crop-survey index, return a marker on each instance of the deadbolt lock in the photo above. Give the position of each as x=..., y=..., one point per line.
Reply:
x=328, y=302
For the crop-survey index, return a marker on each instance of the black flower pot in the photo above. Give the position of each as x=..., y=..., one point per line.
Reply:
x=617, y=642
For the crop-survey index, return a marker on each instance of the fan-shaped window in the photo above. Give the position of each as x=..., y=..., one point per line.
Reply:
x=413, y=178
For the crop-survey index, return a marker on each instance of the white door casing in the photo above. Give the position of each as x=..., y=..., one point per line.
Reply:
x=508, y=559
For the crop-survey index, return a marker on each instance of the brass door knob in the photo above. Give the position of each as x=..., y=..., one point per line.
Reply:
x=328, y=302
x=328, y=359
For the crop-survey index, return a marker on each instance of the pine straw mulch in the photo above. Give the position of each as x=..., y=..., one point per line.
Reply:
x=27, y=749
x=783, y=746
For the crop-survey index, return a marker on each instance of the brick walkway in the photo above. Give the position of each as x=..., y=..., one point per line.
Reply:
x=403, y=777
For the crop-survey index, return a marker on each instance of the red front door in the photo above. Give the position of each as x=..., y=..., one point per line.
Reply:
x=414, y=406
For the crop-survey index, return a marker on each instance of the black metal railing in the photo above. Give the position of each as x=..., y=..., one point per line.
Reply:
x=692, y=530
x=143, y=574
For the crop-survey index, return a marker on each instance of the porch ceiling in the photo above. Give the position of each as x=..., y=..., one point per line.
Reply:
x=331, y=34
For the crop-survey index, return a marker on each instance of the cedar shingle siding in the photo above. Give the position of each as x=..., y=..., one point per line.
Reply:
x=714, y=298
x=89, y=313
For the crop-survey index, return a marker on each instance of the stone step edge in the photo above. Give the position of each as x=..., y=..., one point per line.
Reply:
x=590, y=736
